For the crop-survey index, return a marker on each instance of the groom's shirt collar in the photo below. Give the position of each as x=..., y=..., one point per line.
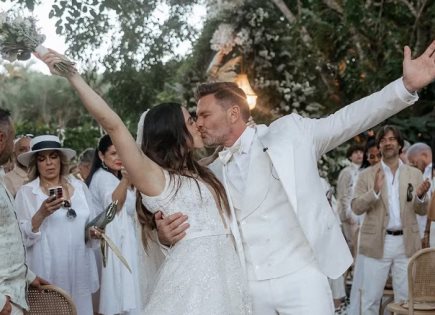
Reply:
x=245, y=140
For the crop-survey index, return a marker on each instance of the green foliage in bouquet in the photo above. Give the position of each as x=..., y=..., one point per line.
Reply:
x=18, y=37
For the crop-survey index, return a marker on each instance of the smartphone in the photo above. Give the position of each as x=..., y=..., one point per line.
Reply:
x=56, y=191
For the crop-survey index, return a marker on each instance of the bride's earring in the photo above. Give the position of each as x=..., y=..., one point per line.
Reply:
x=103, y=165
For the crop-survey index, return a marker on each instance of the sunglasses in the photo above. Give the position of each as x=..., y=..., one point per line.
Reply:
x=409, y=192
x=70, y=212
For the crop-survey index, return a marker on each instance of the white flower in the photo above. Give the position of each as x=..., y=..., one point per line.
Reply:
x=3, y=18
x=223, y=38
x=18, y=20
x=242, y=37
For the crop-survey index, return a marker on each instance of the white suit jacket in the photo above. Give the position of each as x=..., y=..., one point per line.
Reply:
x=294, y=145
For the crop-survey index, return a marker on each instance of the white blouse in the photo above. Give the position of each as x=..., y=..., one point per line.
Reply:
x=58, y=252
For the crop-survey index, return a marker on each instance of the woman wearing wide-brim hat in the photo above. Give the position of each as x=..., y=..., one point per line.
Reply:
x=53, y=209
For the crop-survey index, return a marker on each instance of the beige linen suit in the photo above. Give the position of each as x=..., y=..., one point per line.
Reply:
x=375, y=223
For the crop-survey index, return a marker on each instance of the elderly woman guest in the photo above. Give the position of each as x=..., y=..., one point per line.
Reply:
x=85, y=162
x=119, y=289
x=53, y=226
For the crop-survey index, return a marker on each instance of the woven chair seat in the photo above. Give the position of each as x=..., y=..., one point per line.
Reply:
x=398, y=308
x=51, y=300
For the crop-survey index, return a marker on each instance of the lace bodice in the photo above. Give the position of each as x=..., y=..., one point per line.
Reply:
x=192, y=198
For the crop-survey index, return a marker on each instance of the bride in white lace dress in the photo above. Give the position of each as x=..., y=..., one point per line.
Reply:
x=202, y=273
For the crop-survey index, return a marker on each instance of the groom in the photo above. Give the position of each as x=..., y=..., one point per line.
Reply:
x=285, y=231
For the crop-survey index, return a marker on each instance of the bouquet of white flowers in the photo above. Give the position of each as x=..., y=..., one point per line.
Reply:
x=19, y=37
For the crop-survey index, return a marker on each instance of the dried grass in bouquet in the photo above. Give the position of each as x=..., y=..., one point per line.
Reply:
x=19, y=37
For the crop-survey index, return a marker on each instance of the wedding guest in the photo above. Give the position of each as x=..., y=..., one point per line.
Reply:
x=345, y=185
x=372, y=156
x=85, y=161
x=53, y=226
x=403, y=155
x=371, y=153
x=14, y=273
x=18, y=175
x=120, y=291
x=420, y=156
x=389, y=233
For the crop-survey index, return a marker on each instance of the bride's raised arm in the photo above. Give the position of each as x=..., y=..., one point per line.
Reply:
x=144, y=173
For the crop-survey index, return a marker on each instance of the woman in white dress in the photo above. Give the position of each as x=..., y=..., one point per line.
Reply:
x=202, y=273
x=53, y=230
x=119, y=289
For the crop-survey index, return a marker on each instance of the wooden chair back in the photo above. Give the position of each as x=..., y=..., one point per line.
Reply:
x=421, y=279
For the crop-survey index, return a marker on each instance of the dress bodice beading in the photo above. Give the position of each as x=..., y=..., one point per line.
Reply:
x=180, y=194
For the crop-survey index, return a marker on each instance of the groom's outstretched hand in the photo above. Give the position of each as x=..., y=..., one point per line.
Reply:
x=419, y=72
x=172, y=228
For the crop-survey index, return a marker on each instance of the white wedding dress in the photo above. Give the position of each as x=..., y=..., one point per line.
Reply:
x=201, y=273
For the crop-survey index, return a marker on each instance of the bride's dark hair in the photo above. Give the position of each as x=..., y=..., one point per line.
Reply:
x=167, y=141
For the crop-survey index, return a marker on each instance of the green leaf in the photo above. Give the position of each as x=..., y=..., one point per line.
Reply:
x=30, y=4
x=59, y=30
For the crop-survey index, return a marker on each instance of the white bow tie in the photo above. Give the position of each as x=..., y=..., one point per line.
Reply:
x=226, y=154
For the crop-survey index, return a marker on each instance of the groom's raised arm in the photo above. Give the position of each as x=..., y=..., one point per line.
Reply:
x=363, y=114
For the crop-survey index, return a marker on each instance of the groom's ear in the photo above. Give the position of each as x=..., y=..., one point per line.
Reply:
x=234, y=113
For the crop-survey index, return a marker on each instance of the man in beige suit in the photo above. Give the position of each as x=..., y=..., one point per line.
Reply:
x=390, y=194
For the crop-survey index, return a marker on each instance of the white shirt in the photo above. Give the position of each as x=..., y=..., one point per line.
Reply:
x=58, y=252
x=428, y=174
x=238, y=166
x=392, y=182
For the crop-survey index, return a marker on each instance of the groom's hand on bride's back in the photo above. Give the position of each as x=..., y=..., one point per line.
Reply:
x=172, y=228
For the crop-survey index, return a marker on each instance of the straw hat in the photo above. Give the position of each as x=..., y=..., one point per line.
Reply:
x=44, y=143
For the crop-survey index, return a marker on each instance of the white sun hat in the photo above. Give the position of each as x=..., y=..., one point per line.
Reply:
x=44, y=143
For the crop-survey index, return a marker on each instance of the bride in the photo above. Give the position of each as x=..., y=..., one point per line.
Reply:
x=201, y=273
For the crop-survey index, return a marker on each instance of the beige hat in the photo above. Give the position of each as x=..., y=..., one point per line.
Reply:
x=44, y=143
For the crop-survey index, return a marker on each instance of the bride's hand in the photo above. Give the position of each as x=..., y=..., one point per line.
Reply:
x=51, y=59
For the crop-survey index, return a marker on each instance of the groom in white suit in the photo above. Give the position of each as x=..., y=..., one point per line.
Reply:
x=285, y=232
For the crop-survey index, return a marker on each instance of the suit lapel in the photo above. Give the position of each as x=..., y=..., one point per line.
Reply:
x=283, y=161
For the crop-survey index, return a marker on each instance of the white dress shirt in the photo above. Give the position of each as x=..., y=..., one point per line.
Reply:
x=392, y=182
x=238, y=165
x=428, y=174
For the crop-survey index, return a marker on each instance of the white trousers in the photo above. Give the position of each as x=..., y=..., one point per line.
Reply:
x=432, y=234
x=376, y=273
x=305, y=291
x=337, y=288
x=356, y=291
